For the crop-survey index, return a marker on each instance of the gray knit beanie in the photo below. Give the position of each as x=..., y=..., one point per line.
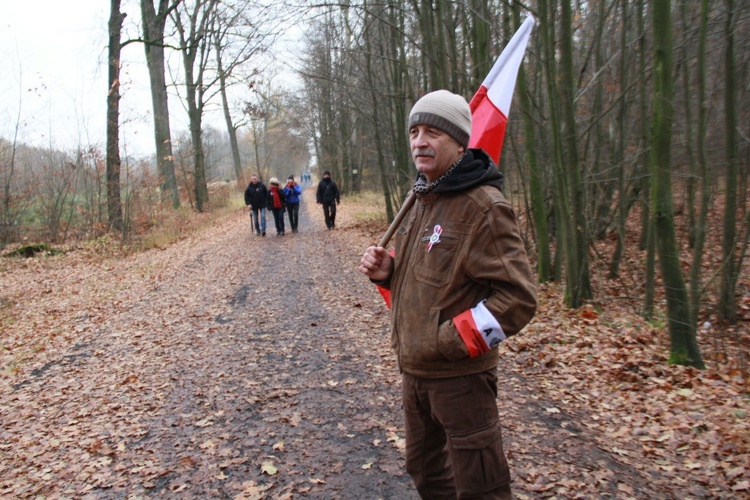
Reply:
x=446, y=111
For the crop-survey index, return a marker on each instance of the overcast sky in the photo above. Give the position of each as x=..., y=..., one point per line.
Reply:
x=53, y=58
x=52, y=55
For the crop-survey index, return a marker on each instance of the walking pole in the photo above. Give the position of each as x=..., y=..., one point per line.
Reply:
x=397, y=220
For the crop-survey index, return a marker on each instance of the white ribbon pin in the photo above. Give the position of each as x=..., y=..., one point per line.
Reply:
x=435, y=238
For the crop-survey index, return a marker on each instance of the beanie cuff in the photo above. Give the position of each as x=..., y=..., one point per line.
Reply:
x=433, y=120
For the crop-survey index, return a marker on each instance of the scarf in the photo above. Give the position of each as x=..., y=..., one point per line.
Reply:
x=421, y=186
x=275, y=196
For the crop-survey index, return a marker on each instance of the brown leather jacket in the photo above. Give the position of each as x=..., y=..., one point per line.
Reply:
x=480, y=256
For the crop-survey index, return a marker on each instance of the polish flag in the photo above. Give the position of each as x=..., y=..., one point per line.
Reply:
x=490, y=106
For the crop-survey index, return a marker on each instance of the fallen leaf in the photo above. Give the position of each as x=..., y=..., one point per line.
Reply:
x=269, y=468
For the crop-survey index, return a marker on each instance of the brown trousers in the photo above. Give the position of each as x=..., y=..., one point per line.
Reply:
x=454, y=447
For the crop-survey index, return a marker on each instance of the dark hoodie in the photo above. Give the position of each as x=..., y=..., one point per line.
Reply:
x=475, y=169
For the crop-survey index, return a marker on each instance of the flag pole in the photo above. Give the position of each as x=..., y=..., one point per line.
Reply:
x=397, y=220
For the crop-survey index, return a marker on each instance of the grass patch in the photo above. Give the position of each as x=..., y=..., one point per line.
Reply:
x=368, y=206
x=29, y=251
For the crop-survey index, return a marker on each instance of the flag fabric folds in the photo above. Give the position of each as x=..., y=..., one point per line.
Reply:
x=490, y=106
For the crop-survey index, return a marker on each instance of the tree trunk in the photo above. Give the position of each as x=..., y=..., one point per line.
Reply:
x=647, y=240
x=231, y=130
x=692, y=180
x=727, y=302
x=114, y=205
x=683, y=346
x=623, y=205
x=379, y=146
x=194, y=44
x=200, y=186
x=561, y=207
x=699, y=233
x=578, y=285
x=649, y=288
x=402, y=90
x=9, y=218
x=480, y=39
x=153, y=35
x=602, y=189
x=644, y=189
x=539, y=210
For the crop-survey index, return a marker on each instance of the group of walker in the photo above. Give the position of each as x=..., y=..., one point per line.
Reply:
x=279, y=200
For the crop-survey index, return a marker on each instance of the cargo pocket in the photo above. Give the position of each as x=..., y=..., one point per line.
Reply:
x=479, y=463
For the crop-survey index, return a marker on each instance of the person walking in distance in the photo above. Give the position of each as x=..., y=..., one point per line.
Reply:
x=292, y=191
x=460, y=283
x=328, y=195
x=256, y=196
x=276, y=202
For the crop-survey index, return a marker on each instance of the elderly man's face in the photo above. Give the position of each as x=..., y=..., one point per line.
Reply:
x=433, y=150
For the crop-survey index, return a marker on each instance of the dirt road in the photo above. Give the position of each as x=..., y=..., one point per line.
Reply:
x=238, y=364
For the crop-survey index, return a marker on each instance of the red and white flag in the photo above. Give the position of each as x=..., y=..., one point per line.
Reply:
x=490, y=106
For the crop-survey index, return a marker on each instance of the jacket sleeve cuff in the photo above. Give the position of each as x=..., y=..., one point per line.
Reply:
x=479, y=329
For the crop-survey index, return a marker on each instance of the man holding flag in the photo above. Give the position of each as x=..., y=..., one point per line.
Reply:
x=460, y=283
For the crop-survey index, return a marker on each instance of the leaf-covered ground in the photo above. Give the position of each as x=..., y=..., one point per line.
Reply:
x=228, y=365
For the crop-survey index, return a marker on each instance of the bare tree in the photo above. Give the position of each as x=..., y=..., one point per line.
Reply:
x=239, y=33
x=154, y=22
x=539, y=210
x=698, y=230
x=8, y=207
x=729, y=267
x=114, y=206
x=193, y=22
x=279, y=138
x=683, y=346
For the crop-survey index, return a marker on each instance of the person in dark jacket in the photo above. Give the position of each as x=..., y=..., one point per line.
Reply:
x=276, y=203
x=328, y=196
x=292, y=191
x=460, y=283
x=256, y=196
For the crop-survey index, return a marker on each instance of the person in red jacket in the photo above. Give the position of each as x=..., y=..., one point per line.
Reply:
x=276, y=204
x=460, y=283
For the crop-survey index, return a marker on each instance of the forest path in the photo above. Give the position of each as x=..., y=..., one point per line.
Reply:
x=235, y=366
